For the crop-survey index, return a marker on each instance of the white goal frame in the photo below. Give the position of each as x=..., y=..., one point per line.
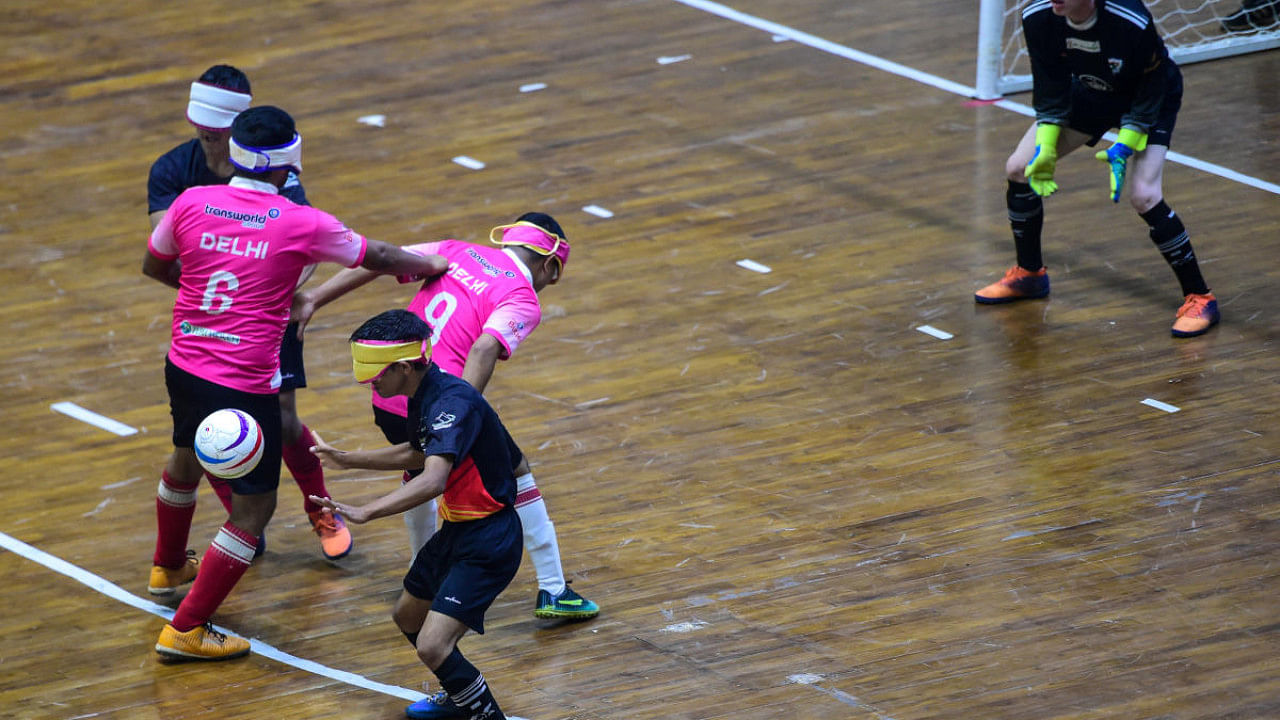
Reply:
x=1000, y=35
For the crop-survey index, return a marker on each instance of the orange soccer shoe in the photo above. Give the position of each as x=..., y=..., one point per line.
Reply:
x=1197, y=314
x=335, y=538
x=165, y=581
x=200, y=643
x=1018, y=283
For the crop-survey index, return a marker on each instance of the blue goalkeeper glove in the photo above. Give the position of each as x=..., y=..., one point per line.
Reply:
x=1117, y=156
x=1039, y=171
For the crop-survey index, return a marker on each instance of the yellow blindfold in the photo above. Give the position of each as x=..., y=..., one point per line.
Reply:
x=371, y=358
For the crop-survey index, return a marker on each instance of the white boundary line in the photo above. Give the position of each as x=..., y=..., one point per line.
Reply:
x=116, y=592
x=813, y=41
x=71, y=409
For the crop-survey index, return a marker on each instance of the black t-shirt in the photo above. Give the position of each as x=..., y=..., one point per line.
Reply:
x=447, y=416
x=1120, y=62
x=184, y=167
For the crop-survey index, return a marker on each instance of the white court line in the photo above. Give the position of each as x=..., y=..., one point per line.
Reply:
x=753, y=266
x=469, y=162
x=533, y=87
x=101, y=421
x=894, y=68
x=597, y=211
x=116, y=592
x=931, y=330
x=1149, y=402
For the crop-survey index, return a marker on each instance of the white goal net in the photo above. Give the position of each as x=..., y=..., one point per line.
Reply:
x=1194, y=30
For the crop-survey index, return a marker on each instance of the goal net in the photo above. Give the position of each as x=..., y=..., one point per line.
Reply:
x=1193, y=30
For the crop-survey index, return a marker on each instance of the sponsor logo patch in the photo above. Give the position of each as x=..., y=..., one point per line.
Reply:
x=442, y=421
x=1089, y=46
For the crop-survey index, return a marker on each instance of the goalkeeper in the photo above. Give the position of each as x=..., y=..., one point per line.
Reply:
x=1098, y=65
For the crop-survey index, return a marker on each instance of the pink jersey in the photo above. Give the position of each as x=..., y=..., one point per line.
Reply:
x=485, y=290
x=242, y=249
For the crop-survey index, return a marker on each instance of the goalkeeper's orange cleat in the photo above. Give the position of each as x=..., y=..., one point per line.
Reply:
x=1197, y=314
x=335, y=538
x=1018, y=283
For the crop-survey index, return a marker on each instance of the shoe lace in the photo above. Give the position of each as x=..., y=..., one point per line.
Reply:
x=1194, y=305
x=208, y=630
x=326, y=523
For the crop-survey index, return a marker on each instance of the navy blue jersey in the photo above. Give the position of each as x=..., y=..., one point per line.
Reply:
x=1119, y=62
x=450, y=417
x=185, y=167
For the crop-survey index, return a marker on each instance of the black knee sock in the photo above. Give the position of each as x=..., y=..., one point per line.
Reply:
x=467, y=688
x=1173, y=243
x=1026, y=216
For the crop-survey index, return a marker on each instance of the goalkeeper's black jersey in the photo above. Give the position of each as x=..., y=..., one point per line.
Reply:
x=1120, y=61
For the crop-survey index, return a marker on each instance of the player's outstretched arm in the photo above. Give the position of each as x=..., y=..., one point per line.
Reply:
x=385, y=258
x=393, y=457
x=428, y=484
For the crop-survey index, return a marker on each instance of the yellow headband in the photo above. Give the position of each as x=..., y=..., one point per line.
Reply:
x=370, y=358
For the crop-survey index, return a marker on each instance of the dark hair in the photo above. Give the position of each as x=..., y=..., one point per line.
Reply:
x=393, y=326
x=227, y=78
x=544, y=221
x=263, y=126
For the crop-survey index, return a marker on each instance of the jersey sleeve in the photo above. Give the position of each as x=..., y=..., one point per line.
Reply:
x=450, y=427
x=1050, y=75
x=162, y=243
x=335, y=242
x=513, y=319
x=1148, y=53
x=164, y=184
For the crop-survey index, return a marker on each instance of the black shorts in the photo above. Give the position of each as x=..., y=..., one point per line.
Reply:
x=191, y=399
x=1093, y=113
x=293, y=374
x=465, y=566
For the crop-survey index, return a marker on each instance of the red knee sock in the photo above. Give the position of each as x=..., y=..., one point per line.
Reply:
x=175, y=505
x=221, y=488
x=224, y=563
x=305, y=468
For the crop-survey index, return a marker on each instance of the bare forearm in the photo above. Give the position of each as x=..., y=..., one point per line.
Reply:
x=343, y=282
x=395, y=457
x=409, y=495
x=481, y=360
x=383, y=258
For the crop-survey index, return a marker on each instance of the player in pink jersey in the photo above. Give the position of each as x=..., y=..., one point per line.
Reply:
x=216, y=97
x=481, y=309
x=235, y=253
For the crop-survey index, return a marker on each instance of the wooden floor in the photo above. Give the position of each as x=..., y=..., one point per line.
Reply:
x=789, y=501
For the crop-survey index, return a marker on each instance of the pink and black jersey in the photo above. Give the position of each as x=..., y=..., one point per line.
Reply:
x=242, y=248
x=485, y=290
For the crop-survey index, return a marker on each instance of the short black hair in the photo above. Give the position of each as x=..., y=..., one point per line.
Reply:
x=393, y=326
x=263, y=126
x=544, y=221
x=227, y=78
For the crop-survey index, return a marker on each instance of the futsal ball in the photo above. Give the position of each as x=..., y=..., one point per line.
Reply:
x=229, y=443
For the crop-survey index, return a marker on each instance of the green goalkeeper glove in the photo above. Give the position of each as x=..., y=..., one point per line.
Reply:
x=1040, y=170
x=1117, y=156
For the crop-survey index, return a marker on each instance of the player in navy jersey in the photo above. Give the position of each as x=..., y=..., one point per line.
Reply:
x=1097, y=65
x=220, y=93
x=467, y=459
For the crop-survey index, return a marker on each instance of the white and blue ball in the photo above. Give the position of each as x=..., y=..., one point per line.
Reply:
x=229, y=443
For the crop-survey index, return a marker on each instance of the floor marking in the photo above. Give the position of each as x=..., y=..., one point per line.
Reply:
x=931, y=330
x=669, y=59
x=373, y=120
x=116, y=592
x=533, y=87
x=812, y=681
x=101, y=421
x=597, y=211
x=685, y=627
x=467, y=162
x=754, y=266
x=1161, y=406
x=817, y=43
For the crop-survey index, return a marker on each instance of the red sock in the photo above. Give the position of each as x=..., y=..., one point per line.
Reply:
x=224, y=563
x=221, y=488
x=306, y=469
x=175, y=505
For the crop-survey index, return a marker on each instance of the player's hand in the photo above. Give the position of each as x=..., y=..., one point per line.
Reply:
x=352, y=513
x=329, y=456
x=1117, y=157
x=301, y=310
x=1039, y=171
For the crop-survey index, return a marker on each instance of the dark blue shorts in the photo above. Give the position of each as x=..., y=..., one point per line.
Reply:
x=293, y=374
x=465, y=566
x=1093, y=113
x=191, y=399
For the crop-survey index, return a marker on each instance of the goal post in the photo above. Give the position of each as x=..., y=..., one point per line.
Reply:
x=1193, y=30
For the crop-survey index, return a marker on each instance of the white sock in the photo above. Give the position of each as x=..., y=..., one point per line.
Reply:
x=539, y=536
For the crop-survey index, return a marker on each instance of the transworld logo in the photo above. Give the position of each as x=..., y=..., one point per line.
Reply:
x=255, y=221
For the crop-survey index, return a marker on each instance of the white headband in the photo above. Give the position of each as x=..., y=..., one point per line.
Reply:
x=214, y=107
x=262, y=159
